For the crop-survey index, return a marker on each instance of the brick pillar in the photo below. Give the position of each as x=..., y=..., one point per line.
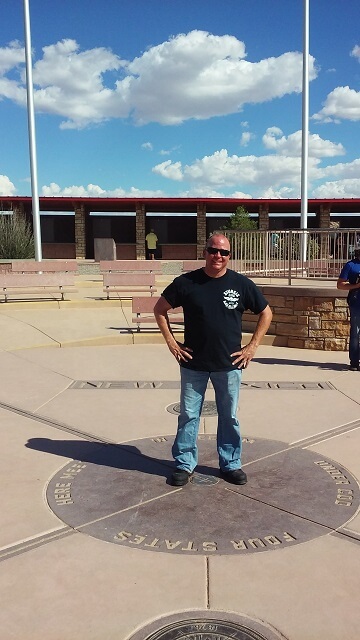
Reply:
x=140, y=231
x=18, y=211
x=200, y=230
x=323, y=222
x=323, y=217
x=80, y=235
x=263, y=217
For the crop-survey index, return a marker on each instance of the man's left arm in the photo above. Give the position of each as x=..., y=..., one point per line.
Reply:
x=246, y=354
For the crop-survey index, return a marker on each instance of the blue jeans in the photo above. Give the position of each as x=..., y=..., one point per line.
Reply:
x=193, y=386
x=354, y=348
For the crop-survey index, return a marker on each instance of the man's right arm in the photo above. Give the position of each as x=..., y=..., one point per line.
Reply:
x=344, y=285
x=161, y=315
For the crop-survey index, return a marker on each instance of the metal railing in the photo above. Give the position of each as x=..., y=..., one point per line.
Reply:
x=293, y=254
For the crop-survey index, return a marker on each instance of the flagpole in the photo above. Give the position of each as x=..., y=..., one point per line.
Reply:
x=305, y=127
x=31, y=127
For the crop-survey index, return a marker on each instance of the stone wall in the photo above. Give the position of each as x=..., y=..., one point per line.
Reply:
x=201, y=230
x=306, y=318
x=80, y=232
x=140, y=231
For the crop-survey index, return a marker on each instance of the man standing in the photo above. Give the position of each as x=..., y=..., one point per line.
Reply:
x=213, y=300
x=151, y=242
x=349, y=280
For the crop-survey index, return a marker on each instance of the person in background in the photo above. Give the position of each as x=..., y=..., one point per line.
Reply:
x=213, y=300
x=349, y=280
x=151, y=243
x=274, y=243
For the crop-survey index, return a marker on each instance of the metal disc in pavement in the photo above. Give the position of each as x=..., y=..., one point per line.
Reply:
x=121, y=494
x=207, y=625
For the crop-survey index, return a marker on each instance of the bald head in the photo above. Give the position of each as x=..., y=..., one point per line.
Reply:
x=216, y=239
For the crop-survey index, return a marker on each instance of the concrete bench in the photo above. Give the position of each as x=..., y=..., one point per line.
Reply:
x=324, y=268
x=38, y=285
x=128, y=283
x=143, y=311
x=191, y=265
x=44, y=266
x=129, y=266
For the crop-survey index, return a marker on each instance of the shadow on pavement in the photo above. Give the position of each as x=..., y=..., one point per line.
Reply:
x=124, y=457
x=327, y=366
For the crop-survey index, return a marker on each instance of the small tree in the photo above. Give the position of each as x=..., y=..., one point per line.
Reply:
x=16, y=238
x=240, y=220
x=246, y=243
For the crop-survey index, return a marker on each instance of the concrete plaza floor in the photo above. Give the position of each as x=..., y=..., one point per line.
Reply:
x=95, y=543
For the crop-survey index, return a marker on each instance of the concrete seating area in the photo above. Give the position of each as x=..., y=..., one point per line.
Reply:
x=36, y=285
x=124, y=277
x=44, y=266
x=143, y=312
x=126, y=266
x=191, y=265
x=126, y=284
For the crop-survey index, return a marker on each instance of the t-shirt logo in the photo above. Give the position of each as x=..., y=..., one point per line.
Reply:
x=231, y=298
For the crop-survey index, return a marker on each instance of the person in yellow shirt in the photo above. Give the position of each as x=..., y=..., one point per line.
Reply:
x=151, y=243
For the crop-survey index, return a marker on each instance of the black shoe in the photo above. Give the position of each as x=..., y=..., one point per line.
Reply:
x=354, y=367
x=180, y=477
x=238, y=476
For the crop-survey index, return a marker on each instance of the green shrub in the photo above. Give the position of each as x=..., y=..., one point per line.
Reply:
x=240, y=220
x=16, y=238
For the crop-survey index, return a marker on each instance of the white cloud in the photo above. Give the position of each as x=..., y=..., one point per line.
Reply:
x=191, y=76
x=141, y=193
x=342, y=103
x=11, y=56
x=341, y=170
x=355, y=53
x=240, y=194
x=347, y=188
x=67, y=83
x=222, y=169
x=169, y=169
x=94, y=191
x=12, y=59
x=7, y=188
x=281, y=193
x=91, y=190
x=269, y=176
x=201, y=192
x=246, y=136
x=291, y=145
x=199, y=75
x=147, y=145
x=166, y=152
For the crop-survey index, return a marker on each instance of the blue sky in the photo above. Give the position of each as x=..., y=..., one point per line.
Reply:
x=180, y=98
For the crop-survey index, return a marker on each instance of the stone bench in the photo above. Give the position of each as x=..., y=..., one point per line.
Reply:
x=44, y=266
x=126, y=284
x=129, y=266
x=37, y=285
x=143, y=311
x=191, y=265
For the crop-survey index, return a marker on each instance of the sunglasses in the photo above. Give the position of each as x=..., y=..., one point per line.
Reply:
x=213, y=251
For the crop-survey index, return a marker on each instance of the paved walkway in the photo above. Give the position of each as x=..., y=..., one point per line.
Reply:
x=93, y=540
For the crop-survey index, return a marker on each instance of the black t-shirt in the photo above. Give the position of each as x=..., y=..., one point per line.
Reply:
x=213, y=309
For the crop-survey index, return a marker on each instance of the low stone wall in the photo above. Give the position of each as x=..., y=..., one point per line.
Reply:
x=306, y=317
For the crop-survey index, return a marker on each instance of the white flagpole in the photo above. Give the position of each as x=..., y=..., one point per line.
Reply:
x=31, y=126
x=305, y=127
